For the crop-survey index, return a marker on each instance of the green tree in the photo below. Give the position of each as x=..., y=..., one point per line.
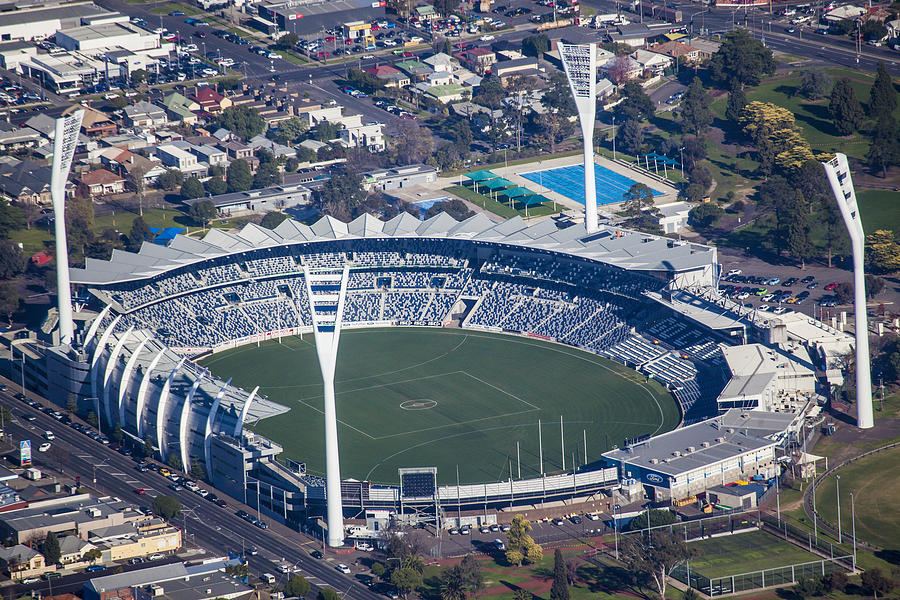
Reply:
x=453, y=586
x=535, y=45
x=557, y=97
x=654, y=556
x=559, y=590
x=117, y=434
x=288, y=40
x=203, y=211
x=174, y=462
x=364, y=81
x=846, y=112
x=328, y=594
x=92, y=419
x=290, y=131
x=93, y=555
x=51, y=550
x=216, y=186
x=884, y=146
x=297, y=586
x=267, y=175
x=140, y=233
x=292, y=164
x=238, y=571
x=342, y=196
x=139, y=76
x=630, y=137
x=520, y=546
x=406, y=580
x=882, y=251
x=638, y=198
x=170, y=179
x=238, y=177
x=10, y=299
x=12, y=260
x=273, y=219
x=882, y=95
x=166, y=506
x=462, y=137
x=695, y=113
x=657, y=517
x=705, y=215
x=491, y=92
x=816, y=83
x=873, y=30
x=191, y=188
x=197, y=470
x=637, y=105
x=11, y=218
x=809, y=587
x=148, y=446
x=741, y=60
x=836, y=581
x=737, y=100
x=877, y=582
x=242, y=121
x=117, y=103
x=472, y=574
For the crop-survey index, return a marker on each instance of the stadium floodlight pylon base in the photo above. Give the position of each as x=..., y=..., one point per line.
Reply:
x=838, y=172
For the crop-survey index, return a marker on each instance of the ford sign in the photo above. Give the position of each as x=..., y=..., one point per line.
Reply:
x=653, y=478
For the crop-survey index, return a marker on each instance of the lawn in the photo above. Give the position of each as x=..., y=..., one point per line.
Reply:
x=500, y=208
x=875, y=486
x=446, y=397
x=745, y=553
x=880, y=209
x=164, y=9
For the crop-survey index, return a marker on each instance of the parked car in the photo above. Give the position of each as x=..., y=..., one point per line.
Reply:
x=343, y=569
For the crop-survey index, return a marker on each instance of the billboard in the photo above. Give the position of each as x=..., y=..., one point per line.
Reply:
x=25, y=453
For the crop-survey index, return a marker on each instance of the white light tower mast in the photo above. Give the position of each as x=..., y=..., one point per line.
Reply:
x=838, y=172
x=67, y=129
x=327, y=290
x=580, y=63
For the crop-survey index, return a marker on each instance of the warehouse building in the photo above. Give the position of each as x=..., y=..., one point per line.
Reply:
x=304, y=18
x=108, y=35
x=43, y=22
x=735, y=445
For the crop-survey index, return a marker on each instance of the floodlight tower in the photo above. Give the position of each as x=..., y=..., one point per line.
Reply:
x=838, y=172
x=327, y=291
x=580, y=63
x=67, y=129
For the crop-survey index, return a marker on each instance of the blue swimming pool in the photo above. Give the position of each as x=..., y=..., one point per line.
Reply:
x=569, y=181
x=424, y=205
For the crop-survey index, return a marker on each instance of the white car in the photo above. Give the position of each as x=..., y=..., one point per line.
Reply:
x=487, y=38
x=44, y=447
x=156, y=557
x=416, y=39
x=343, y=569
x=368, y=56
x=390, y=43
x=733, y=272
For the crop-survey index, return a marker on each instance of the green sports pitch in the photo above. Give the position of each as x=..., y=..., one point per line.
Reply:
x=449, y=398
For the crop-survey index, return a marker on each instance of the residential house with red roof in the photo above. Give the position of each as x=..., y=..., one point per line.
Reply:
x=210, y=100
x=100, y=183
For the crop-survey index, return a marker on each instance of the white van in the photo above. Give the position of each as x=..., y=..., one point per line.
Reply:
x=268, y=578
x=48, y=435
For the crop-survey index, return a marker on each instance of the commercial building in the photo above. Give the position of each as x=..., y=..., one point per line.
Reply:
x=766, y=379
x=176, y=581
x=399, y=177
x=80, y=514
x=305, y=17
x=691, y=460
x=43, y=22
x=266, y=199
x=106, y=36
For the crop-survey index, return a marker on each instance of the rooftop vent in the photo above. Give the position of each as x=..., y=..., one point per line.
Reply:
x=676, y=453
x=720, y=439
x=691, y=449
x=654, y=461
x=730, y=430
x=705, y=444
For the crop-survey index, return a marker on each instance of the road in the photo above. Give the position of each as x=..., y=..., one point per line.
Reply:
x=218, y=530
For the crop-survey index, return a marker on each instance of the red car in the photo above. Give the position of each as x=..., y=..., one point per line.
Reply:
x=831, y=286
x=140, y=491
x=407, y=54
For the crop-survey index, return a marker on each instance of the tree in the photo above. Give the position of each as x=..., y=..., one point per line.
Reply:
x=491, y=92
x=197, y=470
x=11, y=218
x=462, y=137
x=288, y=40
x=520, y=546
x=93, y=555
x=273, y=219
x=535, y=45
x=297, y=586
x=705, y=215
x=203, y=212
x=844, y=107
x=876, y=582
x=453, y=586
x=12, y=260
x=117, y=434
x=654, y=556
x=695, y=113
x=472, y=574
x=445, y=7
x=637, y=104
x=139, y=76
x=91, y=419
x=290, y=131
x=636, y=199
x=737, y=100
x=9, y=300
x=413, y=143
x=166, y=506
x=816, y=83
x=874, y=286
x=657, y=517
x=559, y=590
x=342, y=196
x=406, y=580
x=630, y=137
x=844, y=293
x=117, y=103
x=873, y=30
x=267, y=175
x=215, y=186
x=882, y=251
x=238, y=176
x=191, y=188
x=882, y=96
x=557, y=97
x=242, y=121
x=741, y=60
x=809, y=587
x=328, y=594
x=51, y=550
x=239, y=571
x=884, y=146
x=170, y=179
x=139, y=233
x=836, y=581
x=148, y=446
x=364, y=81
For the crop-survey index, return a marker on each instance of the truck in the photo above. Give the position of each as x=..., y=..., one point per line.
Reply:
x=660, y=11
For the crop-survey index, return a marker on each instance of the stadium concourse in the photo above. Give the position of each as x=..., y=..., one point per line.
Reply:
x=165, y=305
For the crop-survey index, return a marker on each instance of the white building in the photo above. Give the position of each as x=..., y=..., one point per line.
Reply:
x=673, y=216
x=765, y=379
x=42, y=22
x=356, y=134
x=178, y=158
x=107, y=36
x=652, y=61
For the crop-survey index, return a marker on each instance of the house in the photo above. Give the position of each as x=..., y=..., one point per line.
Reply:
x=210, y=100
x=277, y=197
x=652, y=62
x=843, y=13
x=399, y=177
x=95, y=124
x=25, y=182
x=130, y=165
x=633, y=34
x=72, y=549
x=893, y=28
x=100, y=183
x=392, y=78
x=621, y=69
x=145, y=114
x=14, y=138
x=508, y=70
x=416, y=70
x=320, y=114
x=210, y=155
x=447, y=93
x=678, y=50
x=439, y=78
x=236, y=150
x=176, y=157
x=22, y=562
x=477, y=59
x=261, y=142
x=673, y=216
x=469, y=109
x=180, y=109
x=426, y=13
x=356, y=134
x=440, y=62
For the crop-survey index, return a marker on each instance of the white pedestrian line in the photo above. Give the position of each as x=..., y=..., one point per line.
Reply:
x=115, y=474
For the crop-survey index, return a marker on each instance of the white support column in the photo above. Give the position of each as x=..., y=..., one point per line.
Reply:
x=98, y=354
x=67, y=129
x=838, y=172
x=110, y=367
x=183, y=425
x=161, y=412
x=125, y=380
x=207, y=435
x=95, y=325
x=142, y=394
x=239, y=426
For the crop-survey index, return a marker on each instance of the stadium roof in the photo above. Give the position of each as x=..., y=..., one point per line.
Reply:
x=609, y=245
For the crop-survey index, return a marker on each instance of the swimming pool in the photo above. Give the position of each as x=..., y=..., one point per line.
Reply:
x=569, y=181
x=424, y=205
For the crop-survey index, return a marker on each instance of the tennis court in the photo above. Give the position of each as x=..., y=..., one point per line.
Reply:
x=569, y=182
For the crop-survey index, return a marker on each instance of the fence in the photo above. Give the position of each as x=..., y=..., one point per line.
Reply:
x=743, y=582
x=705, y=527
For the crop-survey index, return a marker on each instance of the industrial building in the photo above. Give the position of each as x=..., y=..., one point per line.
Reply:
x=304, y=17
x=43, y=22
x=107, y=35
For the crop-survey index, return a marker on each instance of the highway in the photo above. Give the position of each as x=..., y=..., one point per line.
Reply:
x=218, y=530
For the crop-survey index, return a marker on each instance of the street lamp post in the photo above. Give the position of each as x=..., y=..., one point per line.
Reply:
x=853, y=527
x=614, y=137
x=837, y=480
x=681, y=152
x=815, y=514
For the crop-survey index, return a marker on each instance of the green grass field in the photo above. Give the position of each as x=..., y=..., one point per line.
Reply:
x=879, y=209
x=745, y=553
x=875, y=485
x=416, y=397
